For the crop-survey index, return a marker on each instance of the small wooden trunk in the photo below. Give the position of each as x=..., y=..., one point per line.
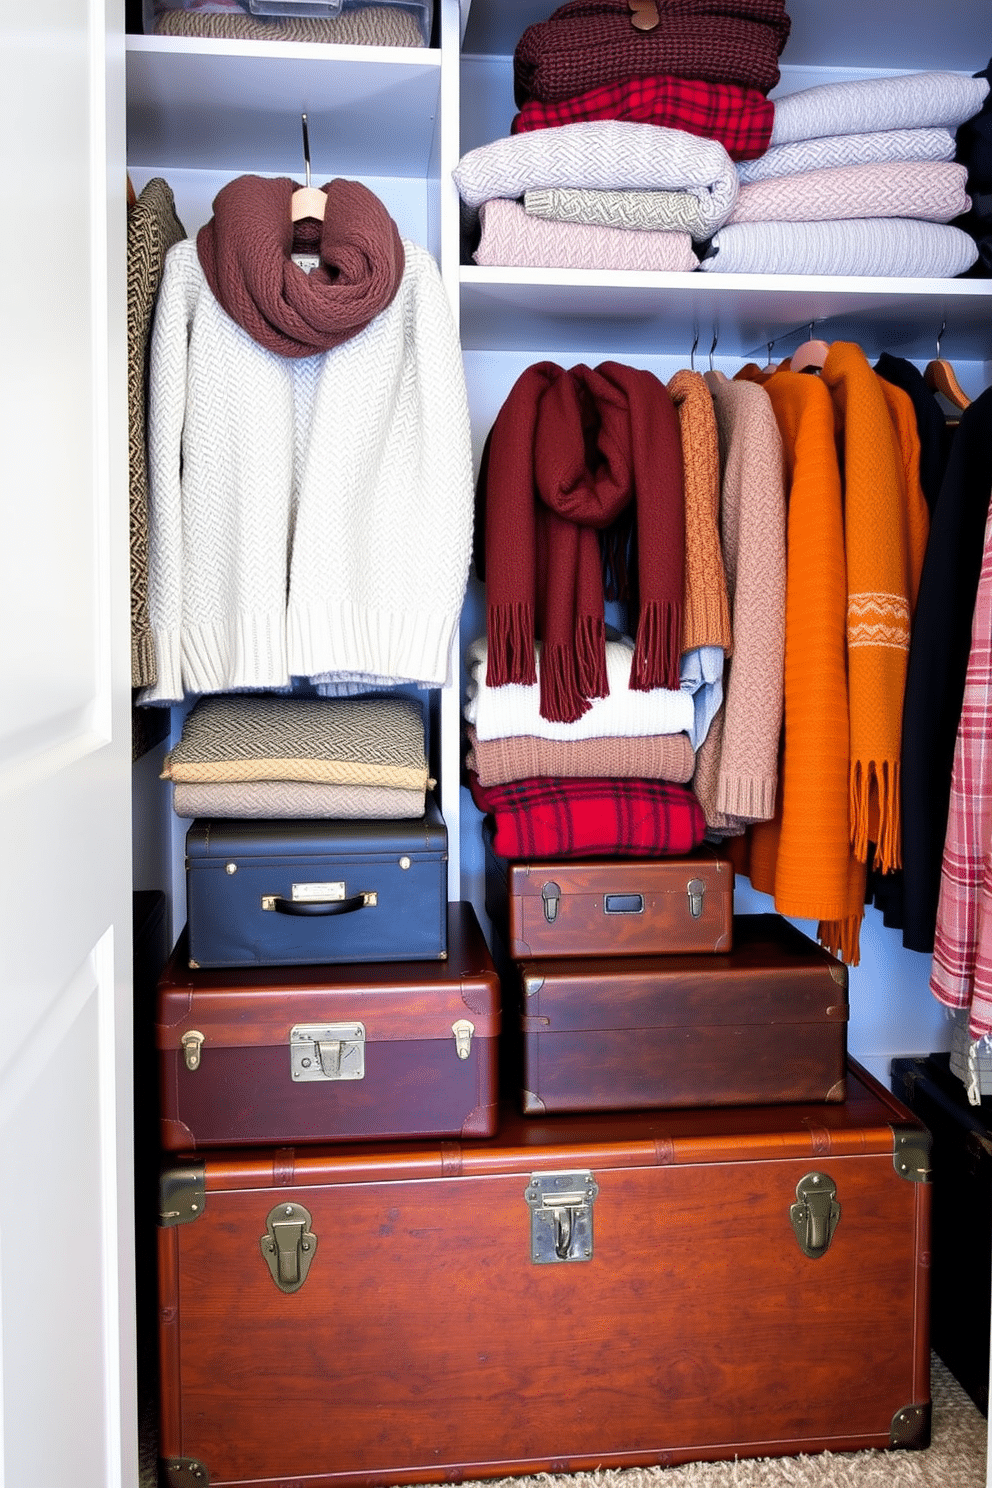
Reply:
x=331, y=1053
x=610, y=906
x=575, y=1293
x=764, y=1022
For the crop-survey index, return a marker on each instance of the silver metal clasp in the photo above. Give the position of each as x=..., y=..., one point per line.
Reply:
x=327, y=1051
x=551, y=894
x=696, y=889
x=561, y=1216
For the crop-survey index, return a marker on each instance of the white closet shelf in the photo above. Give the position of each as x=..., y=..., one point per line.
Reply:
x=217, y=105
x=582, y=309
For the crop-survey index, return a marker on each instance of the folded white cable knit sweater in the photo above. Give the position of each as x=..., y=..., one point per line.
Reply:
x=887, y=247
x=608, y=154
x=912, y=100
x=499, y=712
x=831, y=150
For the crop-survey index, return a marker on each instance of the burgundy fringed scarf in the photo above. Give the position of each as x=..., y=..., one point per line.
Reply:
x=568, y=453
x=245, y=253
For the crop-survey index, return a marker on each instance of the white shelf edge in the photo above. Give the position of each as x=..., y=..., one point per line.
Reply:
x=609, y=281
x=326, y=53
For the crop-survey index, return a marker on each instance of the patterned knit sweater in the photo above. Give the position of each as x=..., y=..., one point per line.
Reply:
x=309, y=517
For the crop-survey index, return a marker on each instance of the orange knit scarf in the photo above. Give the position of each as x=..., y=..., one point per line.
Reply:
x=857, y=528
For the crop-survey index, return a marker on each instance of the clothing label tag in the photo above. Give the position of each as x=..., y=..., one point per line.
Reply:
x=307, y=261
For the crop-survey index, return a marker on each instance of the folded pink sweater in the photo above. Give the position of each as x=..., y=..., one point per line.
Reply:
x=512, y=238
x=932, y=190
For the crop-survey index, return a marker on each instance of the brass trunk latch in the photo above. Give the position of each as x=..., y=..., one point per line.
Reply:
x=815, y=1214
x=288, y=1245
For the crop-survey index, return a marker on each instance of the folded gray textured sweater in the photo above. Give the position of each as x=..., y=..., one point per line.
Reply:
x=607, y=154
x=913, y=100
x=887, y=247
x=648, y=211
x=848, y=149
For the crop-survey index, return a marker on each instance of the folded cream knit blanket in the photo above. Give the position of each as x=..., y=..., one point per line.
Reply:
x=497, y=712
x=888, y=247
x=913, y=100
x=648, y=211
x=297, y=798
x=353, y=741
x=601, y=154
x=848, y=149
x=513, y=239
x=929, y=189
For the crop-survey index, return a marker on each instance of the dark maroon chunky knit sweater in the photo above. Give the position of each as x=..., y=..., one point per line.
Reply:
x=587, y=43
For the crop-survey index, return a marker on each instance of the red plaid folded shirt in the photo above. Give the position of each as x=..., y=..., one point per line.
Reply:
x=739, y=118
x=575, y=818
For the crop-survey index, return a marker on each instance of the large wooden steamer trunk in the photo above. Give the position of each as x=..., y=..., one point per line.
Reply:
x=763, y=1022
x=575, y=1292
x=331, y=1053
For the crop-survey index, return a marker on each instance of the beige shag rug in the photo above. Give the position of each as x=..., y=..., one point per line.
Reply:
x=955, y=1459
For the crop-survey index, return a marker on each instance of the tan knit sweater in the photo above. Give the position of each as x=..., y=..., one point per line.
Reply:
x=737, y=764
x=706, y=612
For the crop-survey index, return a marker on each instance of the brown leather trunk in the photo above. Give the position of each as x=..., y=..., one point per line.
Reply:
x=577, y=1292
x=328, y=1053
x=766, y=1021
x=610, y=906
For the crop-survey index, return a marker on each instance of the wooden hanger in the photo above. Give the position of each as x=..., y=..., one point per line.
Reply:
x=308, y=201
x=132, y=196
x=811, y=356
x=940, y=377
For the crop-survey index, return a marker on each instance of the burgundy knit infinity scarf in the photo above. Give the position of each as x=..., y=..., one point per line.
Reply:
x=568, y=453
x=587, y=43
x=245, y=253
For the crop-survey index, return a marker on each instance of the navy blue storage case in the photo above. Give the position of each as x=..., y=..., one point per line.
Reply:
x=299, y=893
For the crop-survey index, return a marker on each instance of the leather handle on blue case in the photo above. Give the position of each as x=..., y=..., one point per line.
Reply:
x=321, y=907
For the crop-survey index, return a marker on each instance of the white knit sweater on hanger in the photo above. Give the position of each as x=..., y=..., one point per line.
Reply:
x=308, y=518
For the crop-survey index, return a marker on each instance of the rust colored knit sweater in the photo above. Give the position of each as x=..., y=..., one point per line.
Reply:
x=705, y=609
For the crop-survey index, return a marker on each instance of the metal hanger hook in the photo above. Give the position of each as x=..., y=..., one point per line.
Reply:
x=716, y=337
x=692, y=354
x=940, y=336
x=306, y=146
